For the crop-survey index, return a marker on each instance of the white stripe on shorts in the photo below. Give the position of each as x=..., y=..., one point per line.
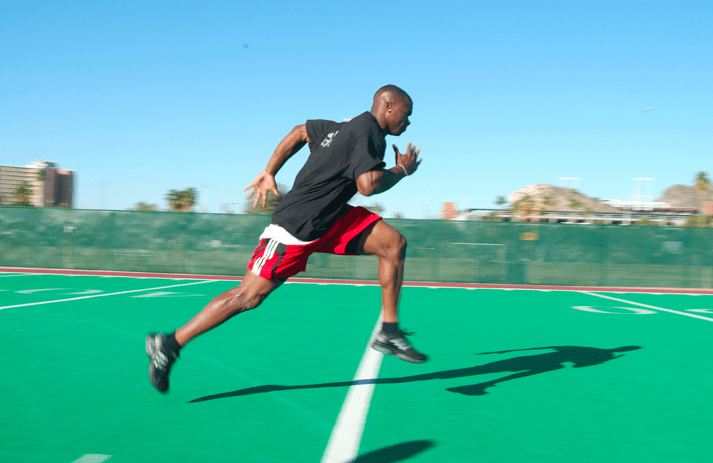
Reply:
x=275, y=235
x=269, y=252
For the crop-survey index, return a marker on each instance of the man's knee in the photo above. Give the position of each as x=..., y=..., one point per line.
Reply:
x=401, y=245
x=250, y=294
x=252, y=298
x=395, y=248
x=385, y=242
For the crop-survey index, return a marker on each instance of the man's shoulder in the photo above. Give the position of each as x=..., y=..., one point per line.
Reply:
x=320, y=124
x=365, y=124
x=365, y=119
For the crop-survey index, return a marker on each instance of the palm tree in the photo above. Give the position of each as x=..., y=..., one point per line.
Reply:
x=22, y=195
x=183, y=200
x=500, y=200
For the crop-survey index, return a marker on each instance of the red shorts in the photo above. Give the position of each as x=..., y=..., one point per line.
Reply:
x=276, y=259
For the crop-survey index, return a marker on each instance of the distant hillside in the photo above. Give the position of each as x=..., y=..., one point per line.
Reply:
x=561, y=199
x=685, y=196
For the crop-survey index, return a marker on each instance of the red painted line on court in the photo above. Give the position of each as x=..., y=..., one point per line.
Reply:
x=423, y=284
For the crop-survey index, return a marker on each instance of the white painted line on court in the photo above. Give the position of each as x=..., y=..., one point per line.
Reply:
x=103, y=295
x=168, y=294
x=649, y=306
x=343, y=445
x=92, y=458
x=31, y=291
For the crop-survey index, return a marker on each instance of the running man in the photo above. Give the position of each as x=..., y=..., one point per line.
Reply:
x=345, y=158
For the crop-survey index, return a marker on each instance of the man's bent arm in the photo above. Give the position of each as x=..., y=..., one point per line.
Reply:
x=292, y=143
x=374, y=182
x=265, y=180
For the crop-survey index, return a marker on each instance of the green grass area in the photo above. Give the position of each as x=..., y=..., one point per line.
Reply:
x=514, y=375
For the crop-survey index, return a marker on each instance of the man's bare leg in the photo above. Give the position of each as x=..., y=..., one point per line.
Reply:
x=163, y=349
x=389, y=246
x=247, y=296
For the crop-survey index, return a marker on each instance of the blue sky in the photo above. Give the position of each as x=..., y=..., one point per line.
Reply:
x=142, y=97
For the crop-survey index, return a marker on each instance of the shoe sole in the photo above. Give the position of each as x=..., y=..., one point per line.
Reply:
x=398, y=354
x=150, y=347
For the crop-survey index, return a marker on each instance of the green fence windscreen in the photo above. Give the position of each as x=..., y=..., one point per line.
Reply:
x=447, y=251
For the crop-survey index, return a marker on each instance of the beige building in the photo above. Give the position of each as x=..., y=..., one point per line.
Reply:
x=50, y=186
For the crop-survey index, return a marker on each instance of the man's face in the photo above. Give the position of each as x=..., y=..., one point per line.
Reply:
x=398, y=117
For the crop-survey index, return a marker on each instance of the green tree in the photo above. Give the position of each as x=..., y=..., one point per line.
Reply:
x=646, y=222
x=41, y=175
x=183, y=200
x=699, y=221
x=270, y=204
x=548, y=201
x=501, y=201
x=524, y=207
x=22, y=195
x=491, y=216
x=702, y=182
x=575, y=204
x=142, y=206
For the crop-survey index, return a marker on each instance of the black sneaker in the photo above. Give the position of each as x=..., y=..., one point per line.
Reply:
x=396, y=344
x=162, y=359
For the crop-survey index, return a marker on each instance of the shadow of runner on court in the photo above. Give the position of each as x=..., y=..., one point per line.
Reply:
x=394, y=453
x=521, y=367
x=536, y=364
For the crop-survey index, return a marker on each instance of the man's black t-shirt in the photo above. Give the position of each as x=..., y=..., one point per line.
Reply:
x=339, y=153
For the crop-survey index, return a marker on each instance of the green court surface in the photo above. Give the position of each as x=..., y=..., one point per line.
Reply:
x=514, y=375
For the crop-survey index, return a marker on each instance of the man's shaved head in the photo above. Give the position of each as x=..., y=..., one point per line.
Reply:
x=391, y=92
x=392, y=108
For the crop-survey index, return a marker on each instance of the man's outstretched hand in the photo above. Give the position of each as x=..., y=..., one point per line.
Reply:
x=409, y=161
x=263, y=183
